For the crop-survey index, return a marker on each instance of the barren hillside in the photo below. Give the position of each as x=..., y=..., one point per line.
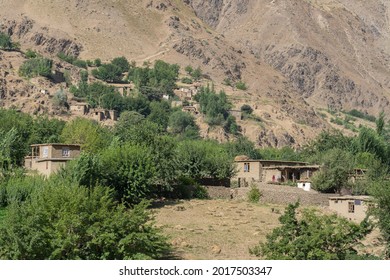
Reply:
x=297, y=57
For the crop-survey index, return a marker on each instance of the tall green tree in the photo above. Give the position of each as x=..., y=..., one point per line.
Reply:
x=90, y=135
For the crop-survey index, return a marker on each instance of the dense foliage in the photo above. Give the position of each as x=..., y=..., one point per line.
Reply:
x=71, y=222
x=312, y=237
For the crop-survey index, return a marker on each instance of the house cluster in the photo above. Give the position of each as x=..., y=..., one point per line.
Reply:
x=273, y=171
x=276, y=171
x=98, y=114
x=49, y=158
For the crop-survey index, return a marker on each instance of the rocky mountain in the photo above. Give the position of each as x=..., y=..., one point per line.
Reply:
x=299, y=58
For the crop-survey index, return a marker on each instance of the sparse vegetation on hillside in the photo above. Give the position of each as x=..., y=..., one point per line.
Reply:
x=6, y=42
x=72, y=60
x=241, y=85
x=38, y=66
x=216, y=108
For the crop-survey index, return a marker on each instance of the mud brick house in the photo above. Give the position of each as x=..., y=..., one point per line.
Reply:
x=49, y=158
x=80, y=108
x=251, y=170
x=351, y=207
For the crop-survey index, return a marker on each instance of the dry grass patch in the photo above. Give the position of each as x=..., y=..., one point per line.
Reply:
x=216, y=229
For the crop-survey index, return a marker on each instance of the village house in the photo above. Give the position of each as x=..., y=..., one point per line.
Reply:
x=100, y=115
x=351, y=207
x=80, y=108
x=272, y=171
x=49, y=158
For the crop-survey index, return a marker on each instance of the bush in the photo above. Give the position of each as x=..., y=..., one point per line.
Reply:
x=68, y=222
x=254, y=194
x=200, y=192
x=60, y=98
x=38, y=66
x=187, y=80
x=97, y=62
x=241, y=85
x=246, y=109
x=227, y=82
x=80, y=63
x=31, y=54
x=6, y=43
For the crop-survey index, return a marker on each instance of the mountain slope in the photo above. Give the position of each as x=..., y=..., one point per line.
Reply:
x=297, y=57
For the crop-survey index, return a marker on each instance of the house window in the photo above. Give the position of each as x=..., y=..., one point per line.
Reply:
x=45, y=152
x=47, y=165
x=246, y=167
x=351, y=207
x=65, y=152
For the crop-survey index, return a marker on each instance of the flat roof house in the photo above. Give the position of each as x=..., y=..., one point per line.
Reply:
x=351, y=207
x=49, y=158
x=250, y=170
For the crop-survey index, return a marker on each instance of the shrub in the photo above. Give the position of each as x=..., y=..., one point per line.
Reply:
x=200, y=192
x=246, y=109
x=38, y=66
x=84, y=75
x=97, y=62
x=241, y=85
x=254, y=194
x=189, y=69
x=71, y=222
x=30, y=54
x=197, y=73
x=80, y=63
x=187, y=80
x=6, y=42
x=227, y=82
x=60, y=98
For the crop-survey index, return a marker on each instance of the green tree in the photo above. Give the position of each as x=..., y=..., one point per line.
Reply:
x=334, y=173
x=204, y=159
x=197, y=74
x=38, y=66
x=129, y=169
x=180, y=121
x=380, y=123
x=5, y=41
x=159, y=113
x=189, y=69
x=68, y=222
x=108, y=73
x=242, y=146
x=312, y=237
x=90, y=135
x=380, y=189
x=122, y=63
